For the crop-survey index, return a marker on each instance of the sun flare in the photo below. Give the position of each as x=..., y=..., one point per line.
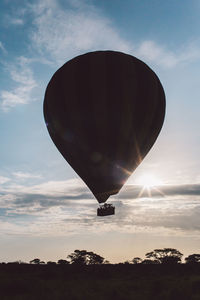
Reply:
x=149, y=183
x=149, y=180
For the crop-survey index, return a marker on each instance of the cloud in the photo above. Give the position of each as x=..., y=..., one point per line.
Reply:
x=57, y=35
x=134, y=191
x=69, y=207
x=16, y=16
x=152, y=52
x=62, y=34
x=23, y=175
x=22, y=75
x=2, y=48
x=9, y=228
x=42, y=196
x=16, y=21
x=71, y=187
x=10, y=20
x=59, y=193
x=4, y=179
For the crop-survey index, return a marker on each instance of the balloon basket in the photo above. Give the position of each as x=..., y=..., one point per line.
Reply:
x=105, y=210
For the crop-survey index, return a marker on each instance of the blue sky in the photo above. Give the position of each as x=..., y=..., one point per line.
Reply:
x=45, y=209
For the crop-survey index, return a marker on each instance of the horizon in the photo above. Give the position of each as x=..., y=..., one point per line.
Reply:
x=45, y=208
x=169, y=252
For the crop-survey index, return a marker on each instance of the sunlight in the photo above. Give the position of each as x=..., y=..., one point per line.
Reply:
x=149, y=180
x=149, y=183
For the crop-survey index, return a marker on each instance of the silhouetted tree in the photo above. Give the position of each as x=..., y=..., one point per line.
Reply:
x=193, y=259
x=94, y=259
x=23, y=262
x=37, y=261
x=127, y=262
x=82, y=257
x=106, y=262
x=63, y=262
x=51, y=263
x=165, y=256
x=14, y=262
x=136, y=260
x=171, y=260
x=150, y=262
x=78, y=257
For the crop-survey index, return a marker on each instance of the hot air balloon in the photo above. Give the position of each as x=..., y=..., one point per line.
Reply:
x=104, y=111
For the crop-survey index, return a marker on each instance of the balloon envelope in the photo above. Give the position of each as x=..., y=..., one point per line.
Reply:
x=104, y=111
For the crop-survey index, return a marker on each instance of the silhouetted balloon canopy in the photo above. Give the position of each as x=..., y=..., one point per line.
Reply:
x=104, y=111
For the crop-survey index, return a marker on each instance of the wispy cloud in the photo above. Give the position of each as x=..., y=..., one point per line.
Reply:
x=15, y=17
x=16, y=21
x=10, y=20
x=4, y=179
x=70, y=202
x=23, y=175
x=160, y=55
x=134, y=191
x=52, y=188
x=2, y=48
x=75, y=189
x=22, y=75
x=62, y=34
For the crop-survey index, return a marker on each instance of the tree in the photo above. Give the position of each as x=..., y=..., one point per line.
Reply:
x=94, y=259
x=51, y=263
x=82, y=257
x=106, y=262
x=150, y=262
x=165, y=256
x=126, y=262
x=136, y=260
x=78, y=257
x=193, y=259
x=63, y=262
x=37, y=261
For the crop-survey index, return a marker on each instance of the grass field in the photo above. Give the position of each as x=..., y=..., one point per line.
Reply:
x=99, y=282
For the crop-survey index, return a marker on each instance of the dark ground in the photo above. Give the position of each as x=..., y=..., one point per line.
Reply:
x=103, y=282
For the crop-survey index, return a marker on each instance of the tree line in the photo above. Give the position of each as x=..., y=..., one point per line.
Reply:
x=157, y=256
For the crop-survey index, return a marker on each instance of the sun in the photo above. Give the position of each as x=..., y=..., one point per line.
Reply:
x=149, y=180
x=149, y=183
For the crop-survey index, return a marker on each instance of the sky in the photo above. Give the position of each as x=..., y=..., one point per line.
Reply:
x=46, y=211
